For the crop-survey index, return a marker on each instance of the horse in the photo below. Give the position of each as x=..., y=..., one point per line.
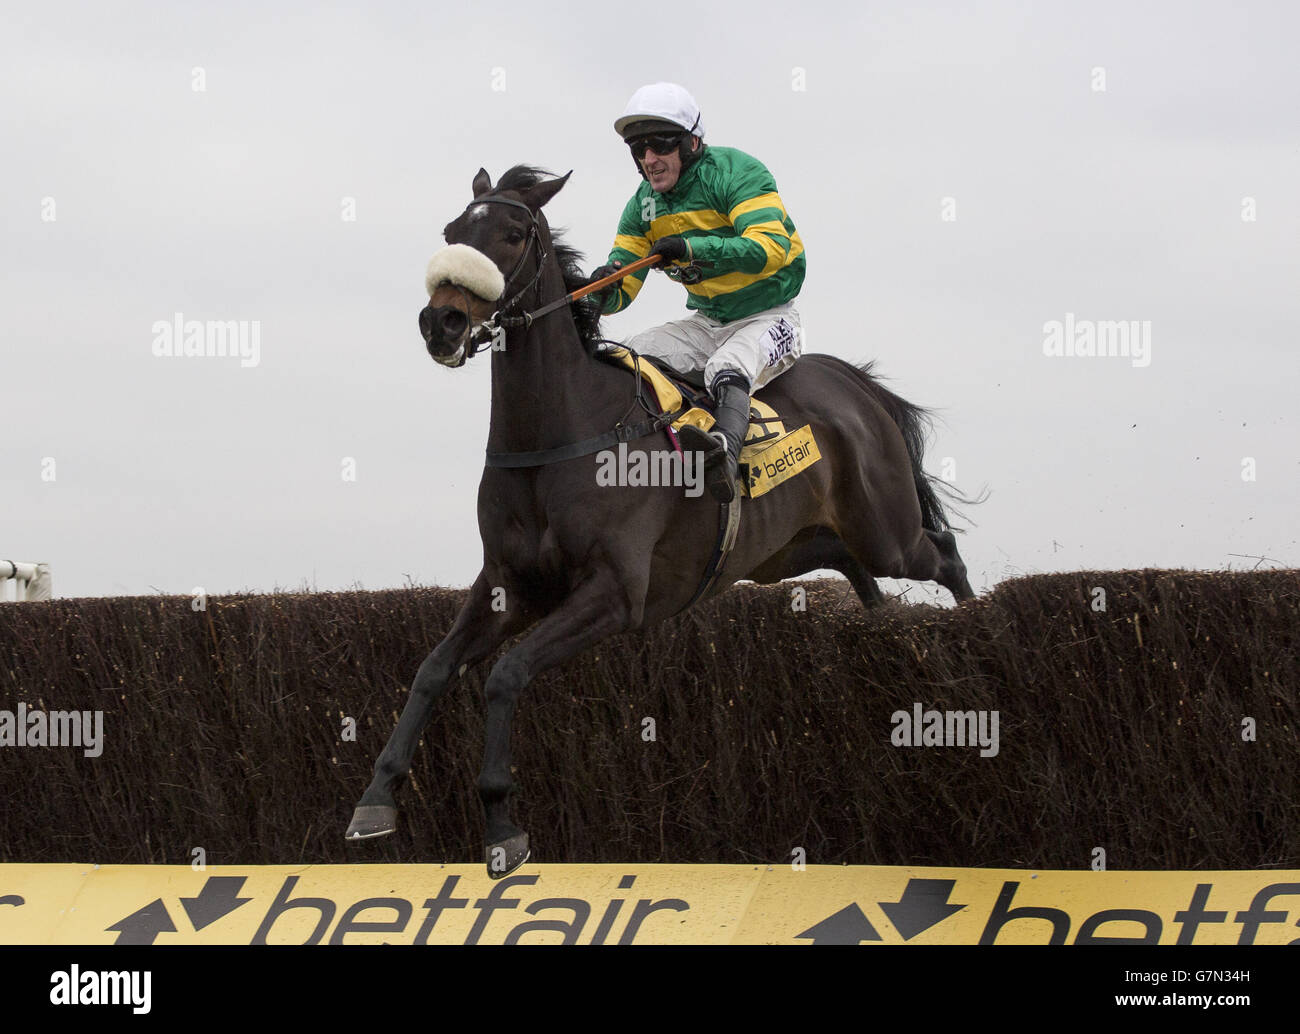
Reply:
x=570, y=561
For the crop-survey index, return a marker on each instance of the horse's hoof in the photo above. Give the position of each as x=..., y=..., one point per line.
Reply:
x=505, y=856
x=372, y=820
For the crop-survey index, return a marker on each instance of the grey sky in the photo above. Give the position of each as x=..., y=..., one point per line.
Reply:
x=1122, y=204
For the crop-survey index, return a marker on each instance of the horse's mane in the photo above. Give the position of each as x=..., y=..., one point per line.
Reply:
x=586, y=314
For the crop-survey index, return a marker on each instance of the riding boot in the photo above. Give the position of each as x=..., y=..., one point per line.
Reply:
x=722, y=445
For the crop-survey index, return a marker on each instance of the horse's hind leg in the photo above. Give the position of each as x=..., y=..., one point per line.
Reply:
x=863, y=584
x=821, y=550
x=934, y=558
x=477, y=631
x=931, y=557
x=952, y=570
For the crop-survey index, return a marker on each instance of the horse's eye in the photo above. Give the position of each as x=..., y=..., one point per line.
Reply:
x=514, y=236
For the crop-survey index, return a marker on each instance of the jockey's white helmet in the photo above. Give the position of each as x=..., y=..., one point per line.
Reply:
x=668, y=104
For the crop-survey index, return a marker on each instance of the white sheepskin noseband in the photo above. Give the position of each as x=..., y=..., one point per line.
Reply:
x=468, y=268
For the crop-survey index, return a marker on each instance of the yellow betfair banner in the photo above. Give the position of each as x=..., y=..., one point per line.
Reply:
x=640, y=904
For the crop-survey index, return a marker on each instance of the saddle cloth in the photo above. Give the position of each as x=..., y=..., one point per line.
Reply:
x=770, y=454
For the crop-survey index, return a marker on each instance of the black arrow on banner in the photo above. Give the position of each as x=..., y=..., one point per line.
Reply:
x=923, y=904
x=143, y=926
x=847, y=926
x=218, y=897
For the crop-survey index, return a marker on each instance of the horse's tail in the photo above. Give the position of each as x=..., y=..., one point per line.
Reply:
x=915, y=423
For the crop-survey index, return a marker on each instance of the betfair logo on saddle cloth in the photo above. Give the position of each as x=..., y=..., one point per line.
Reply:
x=770, y=454
x=771, y=464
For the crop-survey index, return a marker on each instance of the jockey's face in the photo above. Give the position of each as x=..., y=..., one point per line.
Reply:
x=662, y=170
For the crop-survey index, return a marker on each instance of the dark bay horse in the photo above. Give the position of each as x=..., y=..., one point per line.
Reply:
x=576, y=561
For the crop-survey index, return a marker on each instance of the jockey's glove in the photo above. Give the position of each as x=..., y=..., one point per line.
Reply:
x=599, y=273
x=673, y=249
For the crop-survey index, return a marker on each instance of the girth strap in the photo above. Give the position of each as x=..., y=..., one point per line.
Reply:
x=622, y=433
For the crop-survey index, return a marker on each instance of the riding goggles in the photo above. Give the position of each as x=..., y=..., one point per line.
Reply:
x=660, y=143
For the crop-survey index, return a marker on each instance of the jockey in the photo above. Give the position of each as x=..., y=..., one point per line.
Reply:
x=714, y=216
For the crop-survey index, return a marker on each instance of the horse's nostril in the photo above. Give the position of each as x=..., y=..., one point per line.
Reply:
x=454, y=323
x=443, y=329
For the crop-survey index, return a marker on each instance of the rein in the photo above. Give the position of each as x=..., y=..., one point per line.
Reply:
x=527, y=318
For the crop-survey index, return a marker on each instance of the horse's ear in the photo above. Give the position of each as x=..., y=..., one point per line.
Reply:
x=482, y=183
x=536, y=196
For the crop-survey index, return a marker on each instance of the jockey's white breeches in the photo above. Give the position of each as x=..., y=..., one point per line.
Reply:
x=759, y=347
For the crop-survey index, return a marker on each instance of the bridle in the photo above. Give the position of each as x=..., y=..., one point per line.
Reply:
x=494, y=327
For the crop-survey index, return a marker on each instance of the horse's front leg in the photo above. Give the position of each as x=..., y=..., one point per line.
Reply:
x=477, y=631
x=595, y=610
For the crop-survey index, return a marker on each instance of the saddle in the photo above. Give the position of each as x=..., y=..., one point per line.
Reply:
x=770, y=453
